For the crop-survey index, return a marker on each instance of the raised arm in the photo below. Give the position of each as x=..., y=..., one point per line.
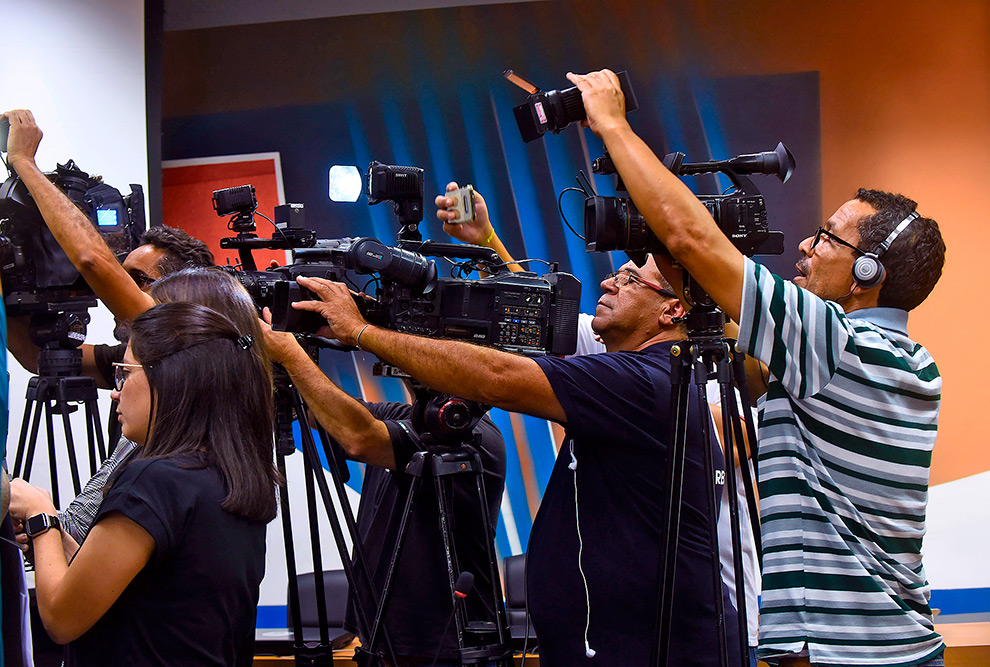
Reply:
x=481, y=374
x=672, y=211
x=479, y=231
x=74, y=232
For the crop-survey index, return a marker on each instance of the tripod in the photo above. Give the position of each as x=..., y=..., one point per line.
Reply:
x=56, y=390
x=290, y=407
x=444, y=425
x=705, y=355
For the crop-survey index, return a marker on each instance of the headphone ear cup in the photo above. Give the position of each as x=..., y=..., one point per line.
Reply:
x=868, y=271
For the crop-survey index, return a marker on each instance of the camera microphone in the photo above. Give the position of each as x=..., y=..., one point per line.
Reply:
x=464, y=584
x=462, y=587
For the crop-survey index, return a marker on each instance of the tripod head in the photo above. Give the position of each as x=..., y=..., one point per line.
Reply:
x=59, y=329
x=705, y=320
x=441, y=420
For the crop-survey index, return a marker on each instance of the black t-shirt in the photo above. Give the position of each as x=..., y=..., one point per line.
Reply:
x=617, y=420
x=103, y=357
x=195, y=602
x=420, y=603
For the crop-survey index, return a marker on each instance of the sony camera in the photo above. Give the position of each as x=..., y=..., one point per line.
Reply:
x=614, y=223
x=36, y=274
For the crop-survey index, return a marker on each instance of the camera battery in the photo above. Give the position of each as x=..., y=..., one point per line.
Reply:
x=463, y=199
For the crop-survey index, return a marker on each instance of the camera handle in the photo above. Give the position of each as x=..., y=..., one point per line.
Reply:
x=456, y=250
x=706, y=354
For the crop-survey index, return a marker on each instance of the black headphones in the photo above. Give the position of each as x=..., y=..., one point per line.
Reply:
x=868, y=271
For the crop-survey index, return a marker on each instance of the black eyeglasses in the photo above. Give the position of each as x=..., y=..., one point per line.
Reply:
x=143, y=280
x=120, y=373
x=822, y=231
x=623, y=278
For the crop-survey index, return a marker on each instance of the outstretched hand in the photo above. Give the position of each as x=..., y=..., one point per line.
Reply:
x=336, y=305
x=603, y=99
x=24, y=137
x=475, y=231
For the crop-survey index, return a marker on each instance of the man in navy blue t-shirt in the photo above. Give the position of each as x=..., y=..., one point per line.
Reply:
x=593, y=552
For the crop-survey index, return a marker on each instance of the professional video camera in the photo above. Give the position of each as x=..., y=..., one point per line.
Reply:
x=37, y=276
x=519, y=312
x=613, y=223
x=553, y=110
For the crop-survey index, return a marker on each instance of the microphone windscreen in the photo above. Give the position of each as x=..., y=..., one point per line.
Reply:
x=464, y=584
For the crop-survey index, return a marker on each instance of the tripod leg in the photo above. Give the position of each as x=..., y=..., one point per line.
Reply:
x=314, y=538
x=52, y=465
x=289, y=407
x=442, y=487
x=358, y=549
x=290, y=558
x=701, y=378
x=22, y=440
x=40, y=390
x=396, y=552
x=671, y=505
x=70, y=445
x=749, y=471
x=90, y=441
x=94, y=434
x=501, y=622
x=734, y=447
x=310, y=453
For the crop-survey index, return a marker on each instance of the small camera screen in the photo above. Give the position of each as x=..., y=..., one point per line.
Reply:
x=106, y=217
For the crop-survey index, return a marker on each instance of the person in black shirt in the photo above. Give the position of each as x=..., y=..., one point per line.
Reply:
x=593, y=553
x=169, y=573
x=382, y=435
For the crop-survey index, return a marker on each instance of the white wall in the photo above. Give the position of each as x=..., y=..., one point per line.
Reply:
x=79, y=66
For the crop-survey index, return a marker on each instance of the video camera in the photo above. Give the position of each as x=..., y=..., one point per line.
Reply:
x=37, y=275
x=518, y=312
x=553, y=110
x=613, y=223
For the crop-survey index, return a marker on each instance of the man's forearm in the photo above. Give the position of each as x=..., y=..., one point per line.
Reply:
x=482, y=374
x=83, y=245
x=19, y=343
x=347, y=421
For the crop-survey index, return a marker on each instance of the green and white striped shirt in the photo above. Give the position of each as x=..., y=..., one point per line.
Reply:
x=845, y=442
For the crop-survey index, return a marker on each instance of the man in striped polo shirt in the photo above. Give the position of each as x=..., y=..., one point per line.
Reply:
x=849, y=419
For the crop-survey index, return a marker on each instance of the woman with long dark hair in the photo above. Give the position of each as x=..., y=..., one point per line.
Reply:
x=169, y=573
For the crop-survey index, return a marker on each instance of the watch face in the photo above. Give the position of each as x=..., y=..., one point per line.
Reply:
x=37, y=524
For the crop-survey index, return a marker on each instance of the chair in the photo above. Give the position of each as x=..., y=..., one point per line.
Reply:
x=514, y=568
x=335, y=593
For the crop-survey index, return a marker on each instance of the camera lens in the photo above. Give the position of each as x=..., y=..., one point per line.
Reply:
x=611, y=223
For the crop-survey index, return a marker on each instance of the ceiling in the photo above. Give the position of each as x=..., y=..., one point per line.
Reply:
x=195, y=14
